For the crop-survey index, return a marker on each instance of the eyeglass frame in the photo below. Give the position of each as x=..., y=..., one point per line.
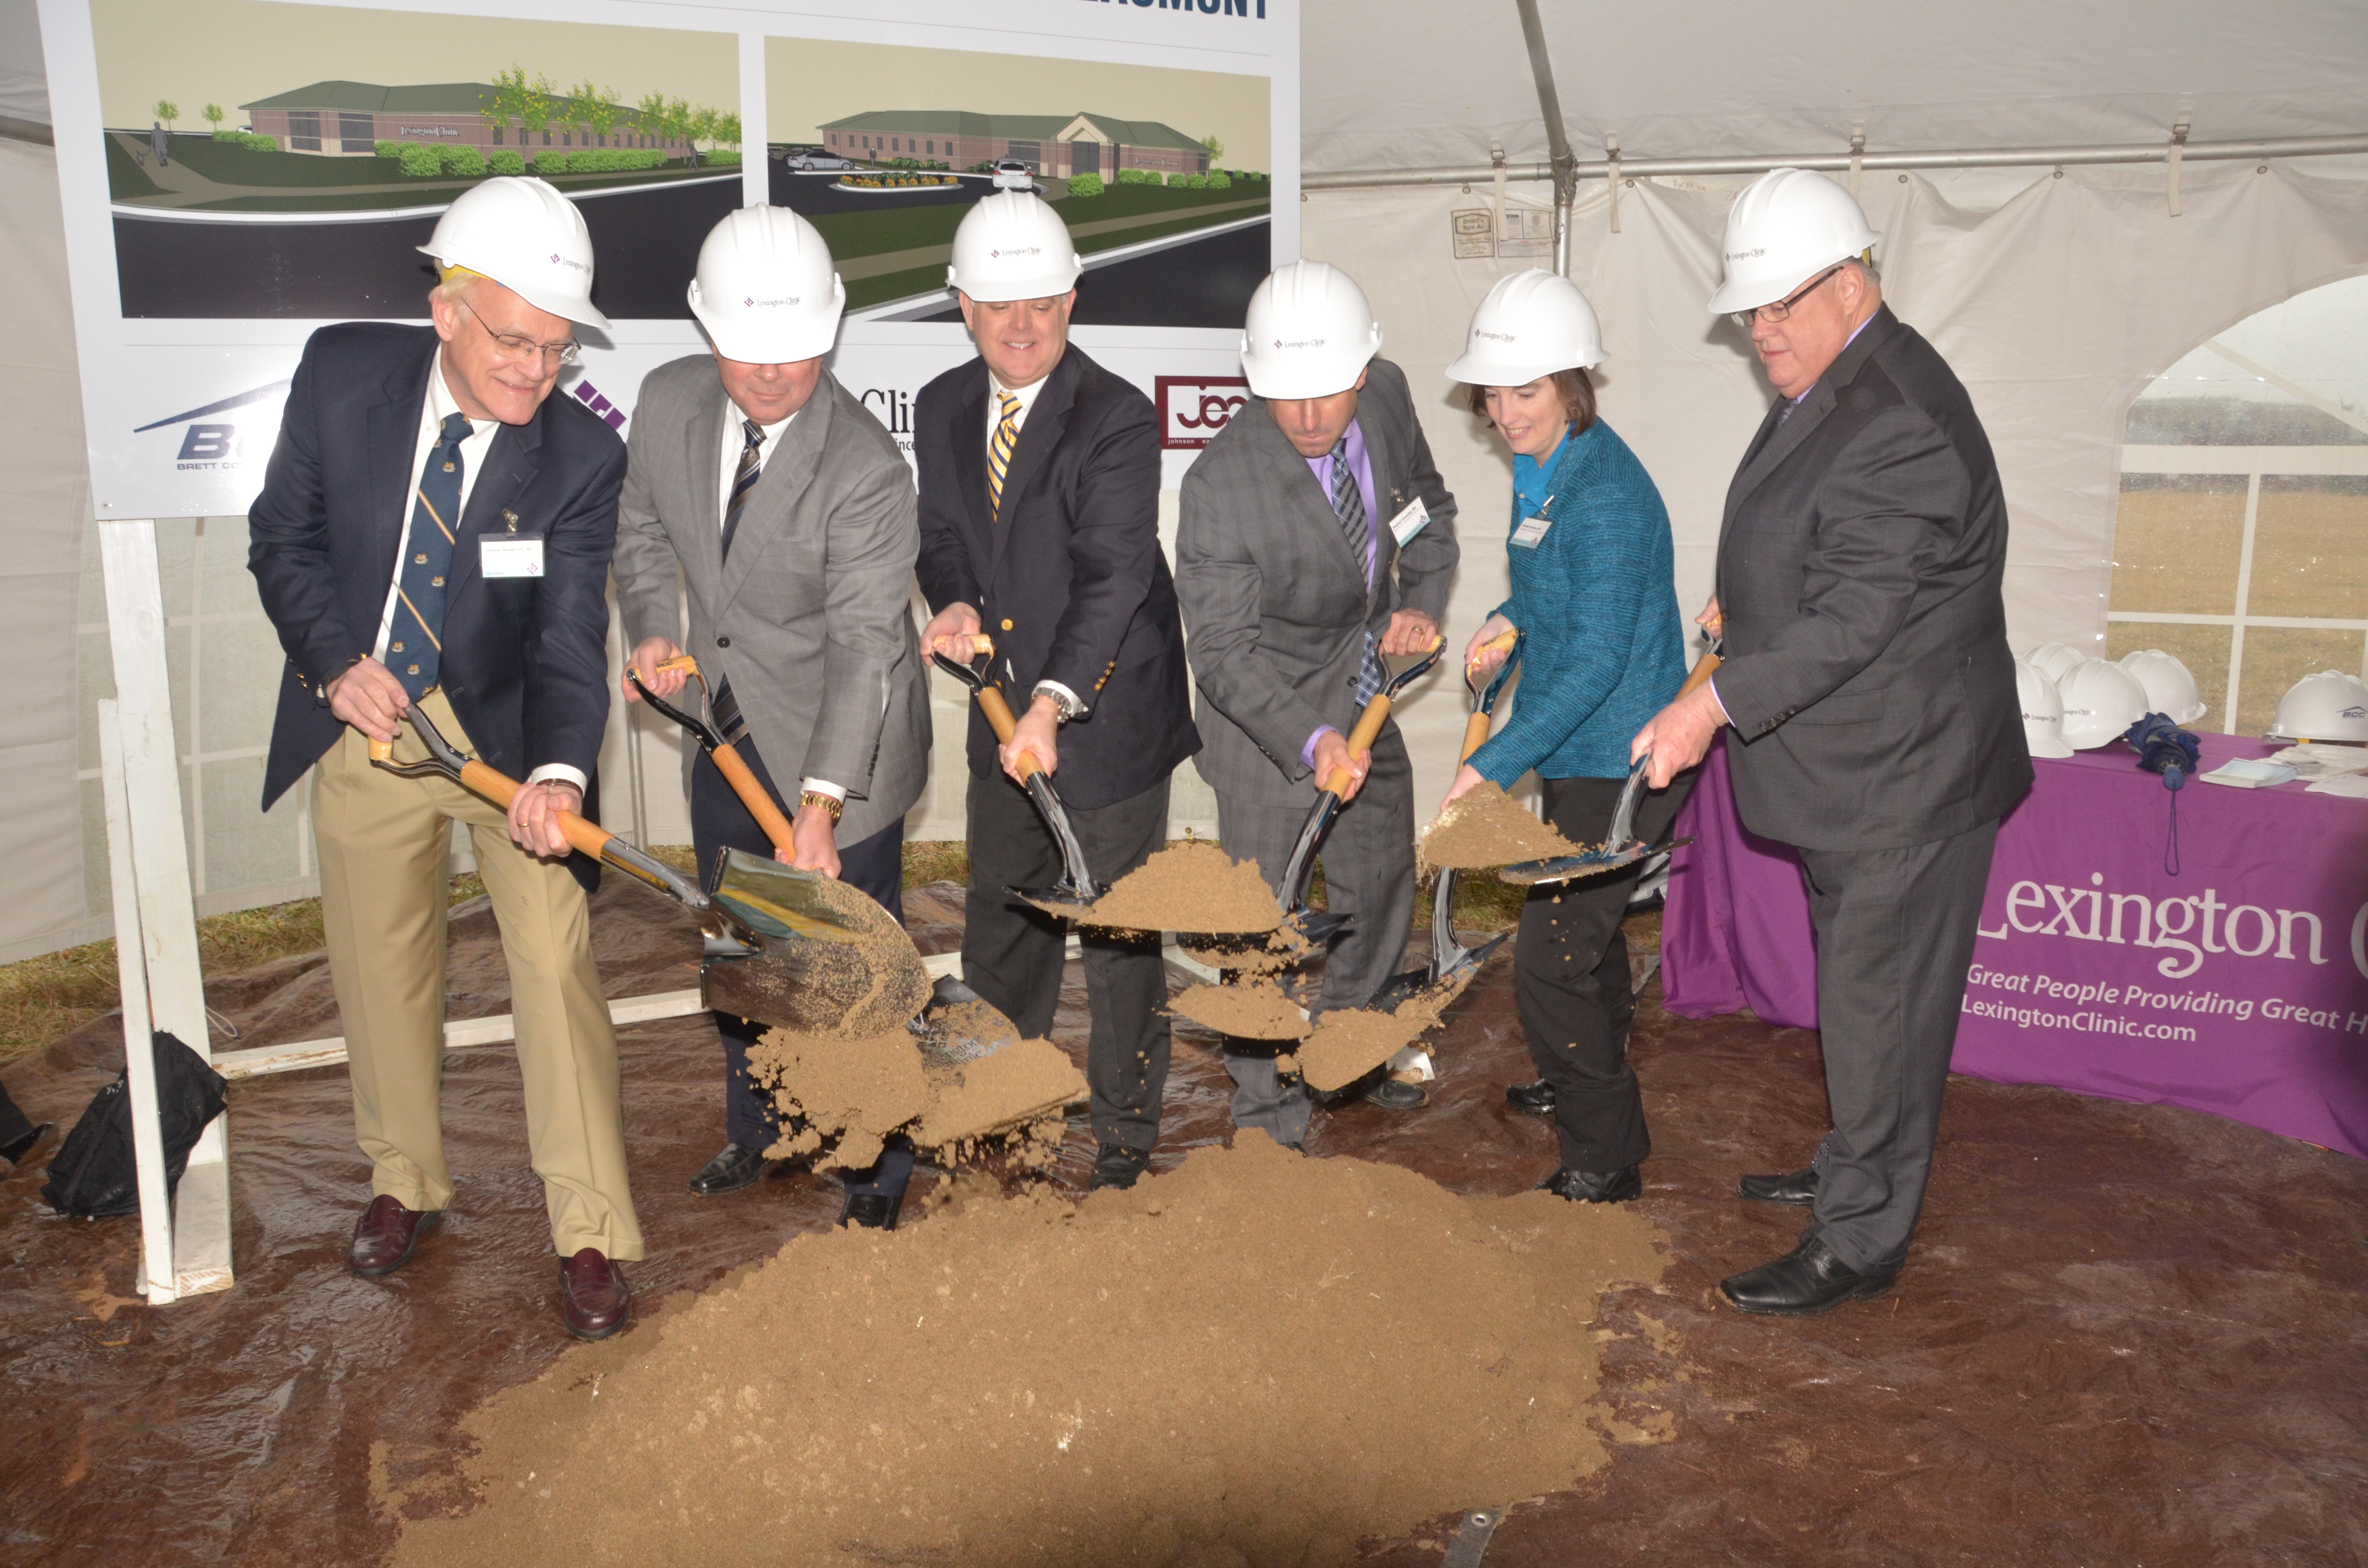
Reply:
x=1784, y=307
x=567, y=352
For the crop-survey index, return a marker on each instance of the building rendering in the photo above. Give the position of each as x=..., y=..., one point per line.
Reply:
x=1052, y=145
x=349, y=118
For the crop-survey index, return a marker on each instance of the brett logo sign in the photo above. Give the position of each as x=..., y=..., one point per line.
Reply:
x=209, y=442
x=1192, y=409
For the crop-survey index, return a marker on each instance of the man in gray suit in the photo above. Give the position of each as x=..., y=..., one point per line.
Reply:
x=786, y=511
x=1872, y=697
x=1316, y=536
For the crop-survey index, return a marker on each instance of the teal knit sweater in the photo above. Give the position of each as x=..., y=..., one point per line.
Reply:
x=1596, y=603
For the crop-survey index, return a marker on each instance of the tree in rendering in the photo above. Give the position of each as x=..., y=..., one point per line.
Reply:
x=1216, y=148
x=507, y=101
x=538, y=106
x=168, y=111
x=213, y=116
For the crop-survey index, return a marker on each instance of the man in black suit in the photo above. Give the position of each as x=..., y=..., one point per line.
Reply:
x=1040, y=526
x=1873, y=697
x=434, y=532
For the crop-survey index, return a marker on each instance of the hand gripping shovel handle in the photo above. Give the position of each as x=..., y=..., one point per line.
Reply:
x=726, y=757
x=1082, y=889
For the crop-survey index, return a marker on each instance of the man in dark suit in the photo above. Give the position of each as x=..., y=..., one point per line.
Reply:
x=1873, y=697
x=434, y=532
x=1316, y=536
x=1040, y=526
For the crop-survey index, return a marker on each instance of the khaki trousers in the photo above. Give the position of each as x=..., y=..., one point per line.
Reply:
x=382, y=843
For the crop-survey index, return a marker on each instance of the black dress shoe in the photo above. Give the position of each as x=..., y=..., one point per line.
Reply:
x=1809, y=1279
x=1392, y=1093
x=872, y=1210
x=18, y=1150
x=1595, y=1186
x=1537, y=1099
x=1798, y=1189
x=1117, y=1165
x=735, y=1168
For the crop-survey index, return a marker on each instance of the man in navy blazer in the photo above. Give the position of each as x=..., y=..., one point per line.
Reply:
x=434, y=532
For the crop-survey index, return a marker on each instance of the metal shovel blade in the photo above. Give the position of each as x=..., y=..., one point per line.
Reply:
x=777, y=900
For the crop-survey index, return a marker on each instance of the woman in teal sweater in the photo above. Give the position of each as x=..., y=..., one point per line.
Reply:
x=1601, y=651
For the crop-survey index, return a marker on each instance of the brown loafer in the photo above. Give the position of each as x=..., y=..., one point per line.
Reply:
x=385, y=1237
x=592, y=1295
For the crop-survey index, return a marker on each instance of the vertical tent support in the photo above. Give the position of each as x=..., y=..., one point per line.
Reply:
x=156, y=926
x=1565, y=162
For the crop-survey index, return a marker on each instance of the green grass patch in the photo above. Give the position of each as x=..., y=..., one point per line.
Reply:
x=229, y=163
x=425, y=192
x=126, y=181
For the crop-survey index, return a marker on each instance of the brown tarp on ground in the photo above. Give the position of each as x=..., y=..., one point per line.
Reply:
x=2126, y=1333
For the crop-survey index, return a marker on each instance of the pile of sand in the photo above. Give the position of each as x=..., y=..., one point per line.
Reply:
x=1019, y=1092
x=1253, y=1010
x=1485, y=826
x=1350, y=1043
x=1258, y=1358
x=1191, y=885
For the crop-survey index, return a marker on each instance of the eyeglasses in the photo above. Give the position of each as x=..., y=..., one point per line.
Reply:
x=518, y=346
x=1773, y=314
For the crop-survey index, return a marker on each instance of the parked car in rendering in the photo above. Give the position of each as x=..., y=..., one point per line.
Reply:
x=808, y=158
x=1013, y=174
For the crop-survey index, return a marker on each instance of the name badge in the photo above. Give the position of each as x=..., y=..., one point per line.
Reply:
x=1410, y=522
x=509, y=557
x=1534, y=529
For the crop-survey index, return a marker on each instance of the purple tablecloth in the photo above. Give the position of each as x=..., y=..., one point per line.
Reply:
x=2239, y=986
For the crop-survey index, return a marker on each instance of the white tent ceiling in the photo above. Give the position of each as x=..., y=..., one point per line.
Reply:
x=1401, y=84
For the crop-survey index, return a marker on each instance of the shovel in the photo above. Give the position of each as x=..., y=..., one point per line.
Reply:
x=758, y=926
x=727, y=760
x=1076, y=890
x=1292, y=891
x=1621, y=846
x=1452, y=964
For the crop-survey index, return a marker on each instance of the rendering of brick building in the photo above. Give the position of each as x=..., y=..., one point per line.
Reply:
x=349, y=118
x=1052, y=145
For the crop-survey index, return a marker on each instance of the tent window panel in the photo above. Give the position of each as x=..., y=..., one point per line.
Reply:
x=2203, y=649
x=2310, y=547
x=2176, y=542
x=2277, y=656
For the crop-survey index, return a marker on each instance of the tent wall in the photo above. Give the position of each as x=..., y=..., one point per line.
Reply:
x=2055, y=298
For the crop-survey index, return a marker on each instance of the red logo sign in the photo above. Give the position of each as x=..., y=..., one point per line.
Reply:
x=1192, y=409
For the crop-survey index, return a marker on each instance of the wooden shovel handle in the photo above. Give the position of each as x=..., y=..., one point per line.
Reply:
x=382, y=751
x=1361, y=738
x=1705, y=667
x=501, y=789
x=1500, y=643
x=752, y=795
x=998, y=718
x=686, y=663
x=1475, y=736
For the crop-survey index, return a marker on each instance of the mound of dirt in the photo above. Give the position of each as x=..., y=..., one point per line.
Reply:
x=1022, y=1085
x=1255, y=1009
x=1256, y=1359
x=1191, y=885
x=1484, y=827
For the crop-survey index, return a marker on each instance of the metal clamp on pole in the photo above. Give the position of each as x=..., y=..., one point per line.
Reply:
x=2178, y=152
x=1611, y=174
x=1858, y=156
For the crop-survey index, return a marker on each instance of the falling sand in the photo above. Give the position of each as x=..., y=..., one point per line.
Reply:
x=867, y=979
x=1256, y=1359
x=1191, y=885
x=1257, y=1010
x=1485, y=826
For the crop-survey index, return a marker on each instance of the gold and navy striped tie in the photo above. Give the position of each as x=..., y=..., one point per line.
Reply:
x=998, y=450
x=414, y=647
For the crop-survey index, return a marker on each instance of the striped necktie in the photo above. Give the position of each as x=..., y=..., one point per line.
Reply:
x=1349, y=505
x=722, y=707
x=415, y=646
x=998, y=450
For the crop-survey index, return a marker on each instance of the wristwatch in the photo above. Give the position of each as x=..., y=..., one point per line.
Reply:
x=1063, y=699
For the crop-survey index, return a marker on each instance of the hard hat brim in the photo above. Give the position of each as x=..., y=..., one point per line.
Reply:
x=1044, y=286
x=770, y=345
x=581, y=311
x=1734, y=296
x=1477, y=370
x=2039, y=746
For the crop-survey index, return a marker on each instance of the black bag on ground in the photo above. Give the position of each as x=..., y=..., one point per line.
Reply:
x=95, y=1175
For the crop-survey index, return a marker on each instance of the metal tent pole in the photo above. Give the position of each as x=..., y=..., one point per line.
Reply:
x=1565, y=166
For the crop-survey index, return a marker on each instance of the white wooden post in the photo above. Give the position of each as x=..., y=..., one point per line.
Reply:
x=131, y=980
x=163, y=907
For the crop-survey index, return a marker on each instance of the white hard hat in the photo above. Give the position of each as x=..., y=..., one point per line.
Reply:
x=2100, y=702
x=1309, y=332
x=2329, y=706
x=524, y=236
x=2042, y=711
x=1531, y=325
x=1012, y=246
x=2052, y=659
x=2169, y=688
x=1786, y=227
x=765, y=292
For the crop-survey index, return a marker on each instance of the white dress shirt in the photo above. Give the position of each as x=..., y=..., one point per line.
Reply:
x=437, y=407
x=996, y=392
x=735, y=441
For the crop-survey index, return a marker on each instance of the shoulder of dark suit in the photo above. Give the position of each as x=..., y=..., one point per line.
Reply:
x=950, y=388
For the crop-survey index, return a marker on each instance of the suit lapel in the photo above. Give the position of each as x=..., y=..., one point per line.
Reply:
x=784, y=480
x=700, y=541
x=1293, y=479
x=1774, y=446
x=510, y=466
x=394, y=437
x=1047, y=418
x=969, y=471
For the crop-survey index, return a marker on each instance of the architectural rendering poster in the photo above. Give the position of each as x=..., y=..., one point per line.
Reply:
x=239, y=174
